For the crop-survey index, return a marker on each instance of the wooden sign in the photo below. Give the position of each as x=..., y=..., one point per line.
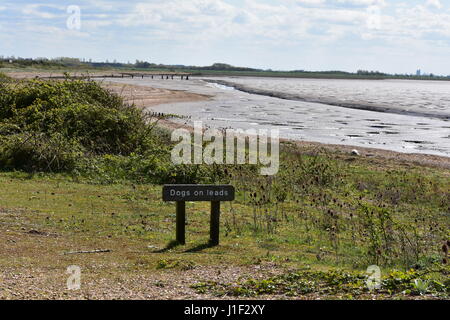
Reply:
x=193, y=192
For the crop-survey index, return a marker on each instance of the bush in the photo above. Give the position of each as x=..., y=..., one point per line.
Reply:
x=99, y=130
x=80, y=128
x=39, y=152
x=77, y=109
x=51, y=125
x=4, y=77
x=59, y=94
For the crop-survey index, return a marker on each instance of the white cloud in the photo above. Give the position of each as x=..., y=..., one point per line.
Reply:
x=278, y=24
x=434, y=3
x=286, y=21
x=38, y=10
x=55, y=32
x=366, y=3
x=310, y=1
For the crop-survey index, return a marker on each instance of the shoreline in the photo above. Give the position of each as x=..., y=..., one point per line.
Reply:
x=154, y=97
x=144, y=96
x=379, y=156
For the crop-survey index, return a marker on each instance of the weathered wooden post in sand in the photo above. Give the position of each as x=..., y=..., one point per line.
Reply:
x=192, y=192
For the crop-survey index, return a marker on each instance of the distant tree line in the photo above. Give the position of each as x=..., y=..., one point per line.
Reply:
x=370, y=73
x=66, y=62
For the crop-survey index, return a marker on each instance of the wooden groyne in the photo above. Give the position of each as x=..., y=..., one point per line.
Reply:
x=165, y=75
x=132, y=75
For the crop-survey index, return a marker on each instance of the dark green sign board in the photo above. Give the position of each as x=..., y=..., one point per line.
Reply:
x=193, y=192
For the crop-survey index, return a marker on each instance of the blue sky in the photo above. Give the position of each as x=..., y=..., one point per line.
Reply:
x=386, y=35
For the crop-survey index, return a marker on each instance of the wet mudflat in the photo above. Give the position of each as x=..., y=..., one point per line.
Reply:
x=413, y=118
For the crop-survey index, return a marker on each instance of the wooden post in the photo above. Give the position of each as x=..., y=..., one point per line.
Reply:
x=181, y=222
x=215, y=223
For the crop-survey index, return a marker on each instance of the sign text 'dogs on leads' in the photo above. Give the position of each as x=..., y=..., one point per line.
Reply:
x=189, y=192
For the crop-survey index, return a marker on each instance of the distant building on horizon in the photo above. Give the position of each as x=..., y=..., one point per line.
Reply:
x=418, y=72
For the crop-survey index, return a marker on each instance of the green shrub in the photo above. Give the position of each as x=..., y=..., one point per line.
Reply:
x=3, y=77
x=39, y=152
x=59, y=94
x=52, y=125
x=99, y=130
x=80, y=128
x=79, y=110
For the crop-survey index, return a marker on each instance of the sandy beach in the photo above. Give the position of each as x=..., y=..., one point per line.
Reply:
x=145, y=96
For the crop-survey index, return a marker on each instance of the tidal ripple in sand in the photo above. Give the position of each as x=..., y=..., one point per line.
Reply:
x=422, y=98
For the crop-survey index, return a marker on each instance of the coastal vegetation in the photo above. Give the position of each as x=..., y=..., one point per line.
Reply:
x=78, y=162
